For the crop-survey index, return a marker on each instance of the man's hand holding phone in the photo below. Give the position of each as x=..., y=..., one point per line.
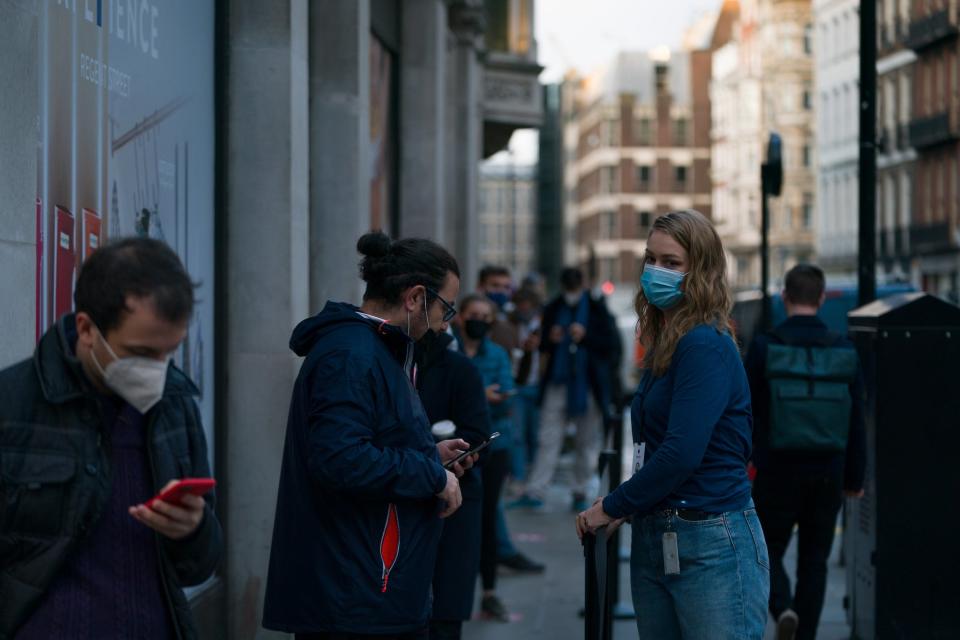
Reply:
x=451, y=450
x=174, y=520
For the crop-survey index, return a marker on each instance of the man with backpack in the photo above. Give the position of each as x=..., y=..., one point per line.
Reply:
x=809, y=444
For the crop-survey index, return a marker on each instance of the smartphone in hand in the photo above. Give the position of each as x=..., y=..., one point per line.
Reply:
x=477, y=449
x=185, y=486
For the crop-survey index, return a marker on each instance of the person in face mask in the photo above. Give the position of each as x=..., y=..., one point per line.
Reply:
x=579, y=340
x=698, y=552
x=93, y=426
x=472, y=329
x=363, y=487
x=495, y=283
x=454, y=397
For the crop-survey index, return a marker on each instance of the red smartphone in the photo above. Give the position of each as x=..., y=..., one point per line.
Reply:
x=185, y=486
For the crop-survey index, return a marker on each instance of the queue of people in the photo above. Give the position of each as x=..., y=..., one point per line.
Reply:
x=411, y=413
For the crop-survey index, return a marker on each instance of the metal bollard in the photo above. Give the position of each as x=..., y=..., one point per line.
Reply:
x=591, y=611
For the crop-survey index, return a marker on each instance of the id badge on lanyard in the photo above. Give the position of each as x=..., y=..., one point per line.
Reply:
x=639, y=450
x=639, y=444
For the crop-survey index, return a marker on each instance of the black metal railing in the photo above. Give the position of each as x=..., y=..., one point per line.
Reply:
x=601, y=552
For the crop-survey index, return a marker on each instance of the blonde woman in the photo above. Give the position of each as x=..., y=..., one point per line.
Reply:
x=699, y=566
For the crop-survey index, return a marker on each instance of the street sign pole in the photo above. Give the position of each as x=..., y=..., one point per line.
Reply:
x=867, y=240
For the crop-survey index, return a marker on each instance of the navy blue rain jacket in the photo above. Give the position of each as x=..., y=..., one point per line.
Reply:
x=357, y=524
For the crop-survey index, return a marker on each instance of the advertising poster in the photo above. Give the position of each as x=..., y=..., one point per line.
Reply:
x=126, y=148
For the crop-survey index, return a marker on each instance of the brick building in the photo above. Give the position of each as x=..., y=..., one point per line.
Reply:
x=935, y=134
x=636, y=145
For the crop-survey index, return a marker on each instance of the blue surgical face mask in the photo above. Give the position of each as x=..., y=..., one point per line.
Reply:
x=661, y=286
x=499, y=298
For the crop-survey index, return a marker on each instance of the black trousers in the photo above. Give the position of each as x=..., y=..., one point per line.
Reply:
x=446, y=629
x=495, y=469
x=416, y=635
x=811, y=502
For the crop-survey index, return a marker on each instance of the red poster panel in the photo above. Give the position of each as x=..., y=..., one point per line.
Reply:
x=40, y=271
x=92, y=232
x=64, y=262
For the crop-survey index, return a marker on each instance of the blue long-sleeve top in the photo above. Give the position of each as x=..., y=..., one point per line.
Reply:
x=494, y=364
x=697, y=426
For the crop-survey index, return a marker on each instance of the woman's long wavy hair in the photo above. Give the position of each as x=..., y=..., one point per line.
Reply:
x=706, y=298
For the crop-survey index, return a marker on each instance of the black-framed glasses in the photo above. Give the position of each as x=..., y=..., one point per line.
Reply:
x=448, y=309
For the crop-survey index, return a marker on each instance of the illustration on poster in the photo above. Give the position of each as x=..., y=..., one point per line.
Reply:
x=132, y=21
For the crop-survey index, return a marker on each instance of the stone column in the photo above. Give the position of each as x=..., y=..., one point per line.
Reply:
x=463, y=136
x=339, y=146
x=267, y=281
x=422, y=118
x=19, y=107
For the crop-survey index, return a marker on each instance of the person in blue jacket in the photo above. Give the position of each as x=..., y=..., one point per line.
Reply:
x=477, y=315
x=699, y=564
x=451, y=389
x=362, y=488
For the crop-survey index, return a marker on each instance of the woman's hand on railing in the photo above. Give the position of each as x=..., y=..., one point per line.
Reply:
x=593, y=518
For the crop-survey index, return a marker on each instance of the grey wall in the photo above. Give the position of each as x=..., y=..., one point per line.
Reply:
x=267, y=292
x=339, y=146
x=423, y=100
x=19, y=115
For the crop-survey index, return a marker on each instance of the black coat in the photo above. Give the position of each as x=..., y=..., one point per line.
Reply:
x=451, y=389
x=357, y=521
x=602, y=342
x=55, y=477
x=805, y=330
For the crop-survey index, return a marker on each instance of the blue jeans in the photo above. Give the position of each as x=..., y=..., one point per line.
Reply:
x=526, y=429
x=722, y=589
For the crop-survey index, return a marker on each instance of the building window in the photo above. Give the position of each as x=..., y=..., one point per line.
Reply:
x=607, y=267
x=644, y=131
x=808, y=211
x=807, y=99
x=808, y=39
x=806, y=155
x=680, y=132
x=610, y=131
x=643, y=221
x=680, y=174
x=743, y=270
x=608, y=223
x=384, y=212
x=608, y=179
x=644, y=177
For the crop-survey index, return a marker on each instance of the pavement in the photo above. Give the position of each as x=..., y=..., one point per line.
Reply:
x=548, y=605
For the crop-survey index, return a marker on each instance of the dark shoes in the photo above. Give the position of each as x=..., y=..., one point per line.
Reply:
x=492, y=608
x=521, y=564
x=787, y=625
x=526, y=502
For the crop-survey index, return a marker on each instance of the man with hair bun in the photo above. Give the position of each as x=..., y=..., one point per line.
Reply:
x=363, y=489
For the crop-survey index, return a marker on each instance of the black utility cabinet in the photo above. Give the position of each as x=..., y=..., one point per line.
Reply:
x=902, y=543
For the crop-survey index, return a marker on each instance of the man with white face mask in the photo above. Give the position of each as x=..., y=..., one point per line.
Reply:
x=92, y=427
